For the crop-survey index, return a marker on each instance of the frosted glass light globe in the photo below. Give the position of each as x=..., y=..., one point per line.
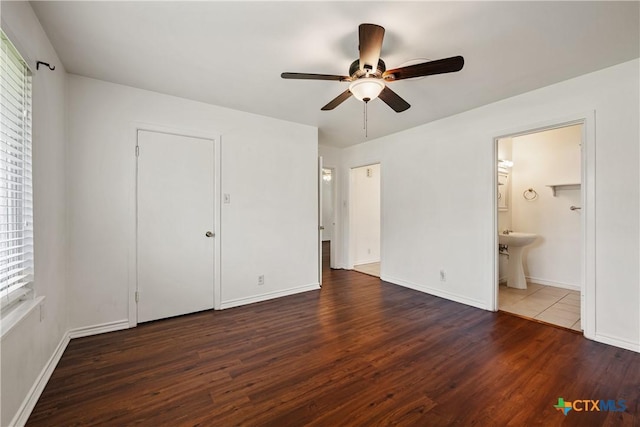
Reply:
x=367, y=88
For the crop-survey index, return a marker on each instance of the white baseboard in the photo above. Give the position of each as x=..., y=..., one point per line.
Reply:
x=36, y=390
x=102, y=328
x=437, y=292
x=366, y=261
x=545, y=282
x=29, y=402
x=267, y=296
x=616, y=342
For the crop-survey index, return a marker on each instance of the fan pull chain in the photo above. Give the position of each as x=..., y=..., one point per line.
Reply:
x=364, y=116
x=366, y=120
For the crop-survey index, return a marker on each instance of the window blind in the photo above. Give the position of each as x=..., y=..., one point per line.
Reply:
x=16, y=206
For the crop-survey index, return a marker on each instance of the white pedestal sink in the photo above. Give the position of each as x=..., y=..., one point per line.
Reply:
x=516, y=241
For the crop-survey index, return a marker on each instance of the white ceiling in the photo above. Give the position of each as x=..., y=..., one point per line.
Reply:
x=232, y=53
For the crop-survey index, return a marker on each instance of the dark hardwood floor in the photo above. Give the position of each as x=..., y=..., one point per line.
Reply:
x=359, y=352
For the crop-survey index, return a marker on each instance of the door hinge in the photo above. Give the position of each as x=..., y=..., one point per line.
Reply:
x=137, y=296
x=137, y=150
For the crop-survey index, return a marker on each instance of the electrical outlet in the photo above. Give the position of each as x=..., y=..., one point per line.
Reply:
x=443, y=276
x=261, y=280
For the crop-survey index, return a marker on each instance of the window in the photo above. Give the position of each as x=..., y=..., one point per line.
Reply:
x=16, y=208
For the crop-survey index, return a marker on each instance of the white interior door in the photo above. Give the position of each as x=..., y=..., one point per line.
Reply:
x=175, y=242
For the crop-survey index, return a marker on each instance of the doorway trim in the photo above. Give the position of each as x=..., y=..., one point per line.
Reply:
x=134, y=127
x=588, y=224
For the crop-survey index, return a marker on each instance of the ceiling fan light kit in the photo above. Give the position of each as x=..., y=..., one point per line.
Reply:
x=367, y=88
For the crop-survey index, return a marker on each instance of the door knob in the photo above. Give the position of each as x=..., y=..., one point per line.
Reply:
x=209, y=234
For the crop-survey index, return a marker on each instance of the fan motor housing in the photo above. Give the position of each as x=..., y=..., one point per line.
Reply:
x=356, y=73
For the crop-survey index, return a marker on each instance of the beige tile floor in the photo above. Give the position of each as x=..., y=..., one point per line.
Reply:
x=546, y=303
x=372, y=269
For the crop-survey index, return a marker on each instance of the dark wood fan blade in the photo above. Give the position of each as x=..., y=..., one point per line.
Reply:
x=371, y=36
x=440, y=66
x=393, y=100
x=307, y=76
x=337, y=100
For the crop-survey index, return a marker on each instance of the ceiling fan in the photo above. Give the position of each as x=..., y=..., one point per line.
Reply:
x=369, y=75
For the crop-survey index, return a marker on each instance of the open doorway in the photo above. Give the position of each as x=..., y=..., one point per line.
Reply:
x=328, y=221
x=364, y=219
x=540, y=224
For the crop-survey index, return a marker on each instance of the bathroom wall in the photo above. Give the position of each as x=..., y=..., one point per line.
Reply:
x=504, y=215
x=505, y=153
x=541, y=159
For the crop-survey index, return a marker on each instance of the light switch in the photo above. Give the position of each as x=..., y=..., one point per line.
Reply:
x=227, y=198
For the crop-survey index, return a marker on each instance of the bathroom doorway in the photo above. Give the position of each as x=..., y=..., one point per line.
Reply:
x=540, y=224
x=364, y=219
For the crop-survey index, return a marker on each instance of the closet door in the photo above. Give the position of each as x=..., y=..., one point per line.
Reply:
x=175, y=213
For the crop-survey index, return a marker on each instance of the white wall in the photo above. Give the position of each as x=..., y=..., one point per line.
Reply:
x=268, y=168
x=541, y=159
x=439, y=193
x=504, y=215
x=26, y=349
x=365, y=214
x=331, y=156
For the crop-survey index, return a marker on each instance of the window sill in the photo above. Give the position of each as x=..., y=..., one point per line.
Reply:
x=17, y=313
